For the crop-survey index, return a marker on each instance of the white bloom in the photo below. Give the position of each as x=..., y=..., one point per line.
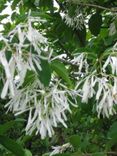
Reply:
x=105, y=97
x=60, y=149
x=114, y=65
x=87, y=90
x=112, y=29
x=23, y=57
x=35, y=37
x=105, y=105
x=112, y=61
x=114, y=89
x=115, y=47
x=76, y=22
x=106, y=64
x=47, y=106
x=9, y=76
x=82, y=64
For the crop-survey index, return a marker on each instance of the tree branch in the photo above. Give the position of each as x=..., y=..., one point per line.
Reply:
x=114, y=9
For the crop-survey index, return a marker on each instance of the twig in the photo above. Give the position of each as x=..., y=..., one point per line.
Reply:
x=114, y=9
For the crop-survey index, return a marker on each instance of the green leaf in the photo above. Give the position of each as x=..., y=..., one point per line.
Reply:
x=45, y=73
x=3, y=16
x=78, y=153
x=95, y=23
x=5, y=127
x=72, y=10
x=14, y=4
x=112, y=134
x=75, y=140
x=12, y=146
x=60, y=69
x=113, y=131
x=46, y=3
x=7, y=27
x=29, y=78
x=81, y=35
x=27, y=153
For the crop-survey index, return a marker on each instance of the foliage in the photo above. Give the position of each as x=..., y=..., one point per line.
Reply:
x=58, y=81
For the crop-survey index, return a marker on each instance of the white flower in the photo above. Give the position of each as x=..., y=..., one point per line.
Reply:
x=115, y=47
x=76, y=22
x=114, y=88
x=112, y=29
x=9, y=76
x=23, y=57
x=46, y=106
x=35, y=37
x=112, y=61
x=81, y=62
x=60, y=149
x=87, y=90
x=105, y=97
x=106, y=64
x=113, y=64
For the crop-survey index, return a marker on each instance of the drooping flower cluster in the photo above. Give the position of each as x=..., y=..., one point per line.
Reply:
x=81, y=62
x=103, y=87
x=46, y=106
x=105, y=94
x=60, y=149
x=75, y=22
x=26, y=46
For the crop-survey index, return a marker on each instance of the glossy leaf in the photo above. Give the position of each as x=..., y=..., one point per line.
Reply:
x=7, y=126
x=95, y=23
x=75, y=140
x=12, y=146
x=61, y=70
x=45, y=74
x=29, y=78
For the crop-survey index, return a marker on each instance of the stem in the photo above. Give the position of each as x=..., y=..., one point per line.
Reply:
x=114, y=9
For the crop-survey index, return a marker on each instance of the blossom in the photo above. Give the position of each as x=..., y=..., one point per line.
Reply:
x=112, y=61
x=9, y=75
x=23, y=57
x=112, y=29
x=47, y=107
x=104, y=93
x=60, y=149
x=87, y=91
x=35, y=37
x=81, y=61
x=76, y=22
x=105, y=97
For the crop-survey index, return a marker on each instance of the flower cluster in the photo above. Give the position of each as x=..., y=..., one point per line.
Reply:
x=76, y=22
x=26, y=52
x=60, y=149
x=102, y=86
x=81, y=62
x=46, y=106
x=104, y=93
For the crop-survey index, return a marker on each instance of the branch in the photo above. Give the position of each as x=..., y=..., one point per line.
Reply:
x=114, y=9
